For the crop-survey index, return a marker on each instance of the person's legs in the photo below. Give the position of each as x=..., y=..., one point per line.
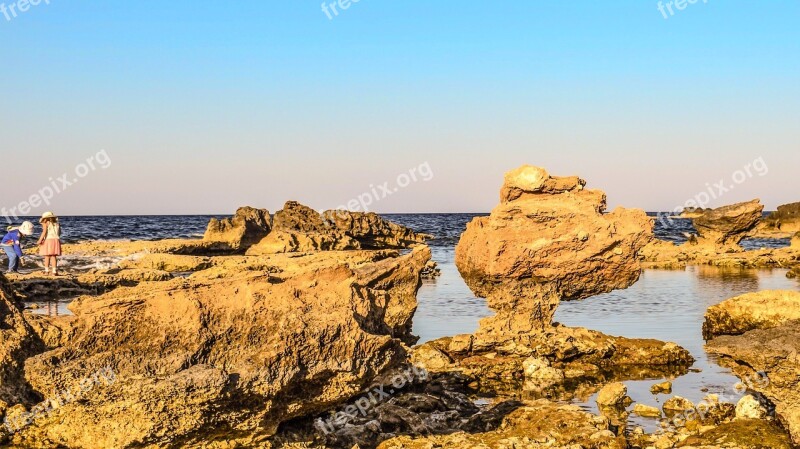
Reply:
x=46, y=262
x=13, y=259
x=54, y=264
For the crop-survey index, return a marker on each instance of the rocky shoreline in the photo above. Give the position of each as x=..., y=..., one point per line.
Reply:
x=294, y=331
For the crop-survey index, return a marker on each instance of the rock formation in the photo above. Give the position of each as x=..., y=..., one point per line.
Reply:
x=764, y=350
x=785, y=220
x=229, y=353
x=758, y=310
x=298, y=228
x=372, y=231
x=244, y=229
x=535, y=425
x=726, y=226
x=17, y=342
x=549, y=239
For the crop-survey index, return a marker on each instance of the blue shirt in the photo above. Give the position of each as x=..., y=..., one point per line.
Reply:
x=12, y=239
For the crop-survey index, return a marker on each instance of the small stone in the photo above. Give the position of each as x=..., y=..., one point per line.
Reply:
x=678, y=404
x=540, y=375
x=663, y=387
x=749, y=408
x=646, y=411
x=613, y=395
x=461, y=344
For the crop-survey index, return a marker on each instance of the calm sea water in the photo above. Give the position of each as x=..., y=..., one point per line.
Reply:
x=667, y=305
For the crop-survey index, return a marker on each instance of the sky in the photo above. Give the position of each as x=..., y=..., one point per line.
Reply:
x=199, y=107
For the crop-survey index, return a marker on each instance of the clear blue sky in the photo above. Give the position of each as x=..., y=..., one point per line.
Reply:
x=204, y=106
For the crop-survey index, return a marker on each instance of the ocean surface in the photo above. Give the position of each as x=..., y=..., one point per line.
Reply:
x=664, y=304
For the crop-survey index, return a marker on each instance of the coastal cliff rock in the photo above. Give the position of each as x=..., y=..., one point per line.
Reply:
x=728, y=225
x=758, y=310
x=247, y=227
x=550, y=239
x=18, y=341
x=229, y=353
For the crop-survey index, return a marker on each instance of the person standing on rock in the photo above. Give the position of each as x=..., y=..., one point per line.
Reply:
x=10, y=244
x=50, y=242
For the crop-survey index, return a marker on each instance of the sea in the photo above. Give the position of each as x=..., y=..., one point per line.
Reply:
x=664, y=304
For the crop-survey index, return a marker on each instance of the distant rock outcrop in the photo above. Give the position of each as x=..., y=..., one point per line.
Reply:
x=549, y=239
x=726, y=226
x=298, y=228
x=244, y=229
x=785, y=220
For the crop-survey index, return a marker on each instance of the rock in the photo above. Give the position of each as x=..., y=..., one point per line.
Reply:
x=767, y=361
x=691, y=212
x=785, y=220
x=663, y=387
x=527, y=180
x=677, y=404
x=548, y=240
x=794, y=272
x=613, y=395
x=431, y=270
x=749, y=408
x=534, y=425
x=372, y=231
x=298, y=228
x=230, y=351
x=539, y=375
x=18, y=341
x=247, y=227
x=728, y=225
x=759, y=310
x=54, y=332
x=740, y=434
x=170, y=263
x=796, y=240
x=646, y=411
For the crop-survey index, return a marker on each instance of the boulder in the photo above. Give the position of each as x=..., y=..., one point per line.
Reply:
x=748, y=407
x=232, y=351
x=646, y=411
x=613, y=395
x=677, y=404
x=759, y=310
x=663, y=387
x=726, y=226
x=247, y=227
x=530, y=180
x=550, y=239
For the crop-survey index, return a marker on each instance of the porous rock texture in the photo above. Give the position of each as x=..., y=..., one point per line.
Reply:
x=229, y=353
x=247, y=227
x=549, y=239
x=762, y=348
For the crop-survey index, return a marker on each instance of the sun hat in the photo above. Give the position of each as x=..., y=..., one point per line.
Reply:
x=47, y=215
x=26, y=228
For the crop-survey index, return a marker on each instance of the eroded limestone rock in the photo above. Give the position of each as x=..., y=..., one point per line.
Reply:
x=758, y=310
x=548, y=240
x=247, y=227
x=728, y=225
x=230, y=352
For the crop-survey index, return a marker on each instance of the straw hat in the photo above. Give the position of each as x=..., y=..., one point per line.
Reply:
x=26, y=228
x=47, y=215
